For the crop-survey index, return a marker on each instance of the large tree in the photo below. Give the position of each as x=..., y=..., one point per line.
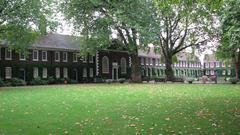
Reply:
x=22, y=21
x=182, y=24
x=97, y=20
x=229, y=48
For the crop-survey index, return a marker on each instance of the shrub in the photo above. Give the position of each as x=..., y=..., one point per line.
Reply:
x=178, y=80
x=38, y=81
x=190, y=80
x=51, y=80
x=122, y=80
x=1, y=82
x=17, y=82
x=233, y=80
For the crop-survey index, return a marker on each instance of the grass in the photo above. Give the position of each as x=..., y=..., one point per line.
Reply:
x=120, y=109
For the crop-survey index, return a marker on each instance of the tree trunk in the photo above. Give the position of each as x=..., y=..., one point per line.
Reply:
x=169, y=70
x=135, y=69
x=237, y=65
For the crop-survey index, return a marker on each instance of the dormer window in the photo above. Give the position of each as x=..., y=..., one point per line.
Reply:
x=8, y=54
x=35, y=55
x=65, y=56
x=57, y=56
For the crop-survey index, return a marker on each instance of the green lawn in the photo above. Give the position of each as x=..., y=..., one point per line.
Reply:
x=120, y=109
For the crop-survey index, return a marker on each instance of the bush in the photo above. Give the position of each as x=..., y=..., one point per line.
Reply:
x=122, y=80
x=51, y=80
x=178, y=80
x=1, y=82
x=190, y=80
x=233, y=80
x=14, y=82
x=38, y=81
x=160, y=79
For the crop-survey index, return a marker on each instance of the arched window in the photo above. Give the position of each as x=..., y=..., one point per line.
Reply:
x=105, y=64
x=123, y=66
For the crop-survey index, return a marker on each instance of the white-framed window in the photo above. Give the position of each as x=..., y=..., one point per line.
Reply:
x=35, y=55
x=91, y=72
x=229, y=72
x=35, y=72
x=65, y=56
x=123, y=65
x=105, y=64
x=84, y=59
x=217, y=64
x=84, y=72
x=212, y=72
x=22, y=56
x=44, y=73
x=8, y=54
x=75, y=57
x=211, y=64
x=57, y=56
x=90, y=59
x=151, y=61
x=44, y=55
x=65, y=72
x=57, y=72
x=223, y=64
x=142, y=60
x=224, y=72
x=8, y=72
x=207, y=72
x=147, y=61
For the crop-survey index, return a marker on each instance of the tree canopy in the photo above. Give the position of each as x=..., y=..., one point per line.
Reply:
x=22, y=21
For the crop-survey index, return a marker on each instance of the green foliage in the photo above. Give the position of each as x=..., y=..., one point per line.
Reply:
x=22, y=21
x=15, y=82
x=38, y=81
x=1, y=82
x=230, y=40
x=97, y=19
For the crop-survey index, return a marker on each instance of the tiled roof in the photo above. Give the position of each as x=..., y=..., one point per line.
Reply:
x=57, y=41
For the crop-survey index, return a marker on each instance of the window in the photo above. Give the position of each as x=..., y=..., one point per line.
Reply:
x=35, y=55
x=223, y=64
x=123, y=66
x=8, y=72
x=57, y=56
x=229, y=72
x=35, y=72
x=75, y=57
x=223, y=72
x=217, y=64
x=146, y=61
x=105, y=64
x=44, y=73
x=151, y=61
x=212, y=72
x=84, y=59
x=65, y=56
x=84, y=72
x=65, y=72
x=44, y=55
x=142, y=60
x=22, y=56
x=8, y=54
x=57, y=72
x=90, y=59
x=91, y=72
